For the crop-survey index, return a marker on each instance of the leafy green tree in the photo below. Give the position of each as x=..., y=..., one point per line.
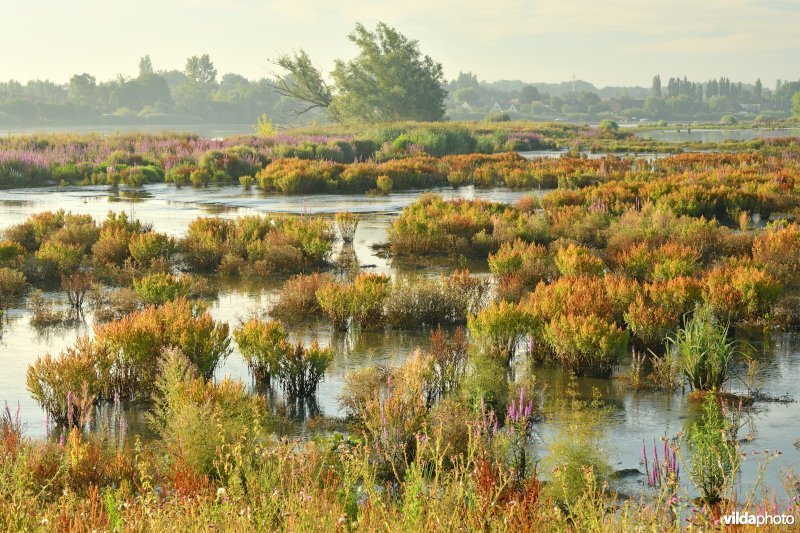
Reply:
x=655, y=91
x=82, y=88
x=389, y=80
x=145, y=66
x=201, y=70
x=194, y=93
x=796, y=104
x=529, y=93
x=467, y=80
x=470, y=95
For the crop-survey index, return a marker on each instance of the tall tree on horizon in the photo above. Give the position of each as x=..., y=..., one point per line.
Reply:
x=390, y=79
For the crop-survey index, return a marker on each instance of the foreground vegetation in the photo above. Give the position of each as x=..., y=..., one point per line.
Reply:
x=428, y=448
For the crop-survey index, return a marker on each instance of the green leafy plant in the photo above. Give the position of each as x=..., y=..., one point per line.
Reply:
x=704, y=351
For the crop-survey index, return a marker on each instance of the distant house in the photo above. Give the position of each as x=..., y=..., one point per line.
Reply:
x=466, y=107
x=512, y=108
x=496, y=108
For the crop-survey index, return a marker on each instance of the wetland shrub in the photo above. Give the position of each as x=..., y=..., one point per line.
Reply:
x=777, y=251
x=145, y=248
x=262, y=344
x=449, y=353
x=11, y=254
x=54, y=257
x=586, y=345
x=485, y=385
x=368, y=297
x=260, y=245
x=199, y=421
x=520, y=266
x=415, y=303
x=578, y=462
x=499, y=328
x=573, y=260
x=741, y=293
x=393, y=419
x=266, y=349
x=432, y=225
x=66, y=386
x=347, y=223
x=361, y=386
x=335, y=301
x=297, y=299
x=138, y=340
x=12, y=285
x=113, y=304
x=300, y=369
x=715, y=455
x=159, y=288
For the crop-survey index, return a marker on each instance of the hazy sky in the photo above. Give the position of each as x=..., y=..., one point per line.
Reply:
x=602, y=41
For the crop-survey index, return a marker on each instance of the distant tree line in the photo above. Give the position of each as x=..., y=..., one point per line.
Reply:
x=389, y=80
x=678, y=99
x=195, y=93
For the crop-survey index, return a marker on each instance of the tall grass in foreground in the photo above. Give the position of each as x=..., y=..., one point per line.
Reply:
x=704, y=351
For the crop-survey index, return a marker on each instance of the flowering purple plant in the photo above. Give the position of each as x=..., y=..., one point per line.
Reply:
x=663, y=472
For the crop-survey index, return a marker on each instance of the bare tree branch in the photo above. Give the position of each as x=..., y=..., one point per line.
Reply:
x=302, y=81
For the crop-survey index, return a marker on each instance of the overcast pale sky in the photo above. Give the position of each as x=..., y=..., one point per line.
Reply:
x=607, y=42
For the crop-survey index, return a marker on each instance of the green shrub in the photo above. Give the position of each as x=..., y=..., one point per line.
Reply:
x=586, y=345
x=485, y=384
x=200, y=422
x=55, y=257
x=578, y=459
x=11, y=254
x=347, y=223
x=384, y=184
x=262, y=344
x=159, y=288
x=368, y=296
x=335, y=301
x=68, y=385
x=715, y=455
x=300, y=369
x=499, y=328
x=138, y=339
x=608, y=126
x=147, y=247
x=12, y=284
x=574, y=260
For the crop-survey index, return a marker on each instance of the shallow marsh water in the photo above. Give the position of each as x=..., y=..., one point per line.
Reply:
x=685, y=134
x=636, y=417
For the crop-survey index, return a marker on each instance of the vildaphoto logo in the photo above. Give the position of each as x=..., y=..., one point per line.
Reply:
x=743, y=519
